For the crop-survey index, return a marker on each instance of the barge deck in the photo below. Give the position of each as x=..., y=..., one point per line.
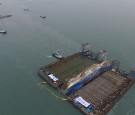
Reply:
x=65, y=69
x=103, y=92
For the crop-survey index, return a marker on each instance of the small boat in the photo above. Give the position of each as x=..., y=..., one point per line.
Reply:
x=43, y=16
x=5, y=16
x=3, y=31
x=26, y=9
x=57, y=55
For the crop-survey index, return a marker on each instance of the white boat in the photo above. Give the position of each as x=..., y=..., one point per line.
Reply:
x=57, y=55
x=3, y=31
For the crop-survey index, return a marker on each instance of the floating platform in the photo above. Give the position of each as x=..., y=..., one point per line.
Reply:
x=94, y=85
x=65, y=69
x=103, y=92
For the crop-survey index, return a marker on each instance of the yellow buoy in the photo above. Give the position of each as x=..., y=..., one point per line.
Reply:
x=43, y=83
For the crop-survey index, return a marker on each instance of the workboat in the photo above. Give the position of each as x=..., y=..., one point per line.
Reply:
x=5, y=16
x=26, y=9
x=57, y=55
x=3, y=31
x=43, y=16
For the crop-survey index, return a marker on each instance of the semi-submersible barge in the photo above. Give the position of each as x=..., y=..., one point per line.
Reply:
x=92, y=83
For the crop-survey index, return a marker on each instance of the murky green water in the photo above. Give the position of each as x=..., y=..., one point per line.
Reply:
x=105, y=24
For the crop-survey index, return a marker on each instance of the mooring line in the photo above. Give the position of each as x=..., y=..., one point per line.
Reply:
x=61, y=98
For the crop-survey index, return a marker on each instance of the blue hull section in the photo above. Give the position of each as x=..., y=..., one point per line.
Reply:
x=87, y=79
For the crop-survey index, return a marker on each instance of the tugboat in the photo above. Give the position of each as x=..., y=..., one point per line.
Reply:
x=3, y=31
x=57, y=55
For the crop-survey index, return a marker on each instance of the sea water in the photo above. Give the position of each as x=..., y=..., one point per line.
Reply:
x=30, y=40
